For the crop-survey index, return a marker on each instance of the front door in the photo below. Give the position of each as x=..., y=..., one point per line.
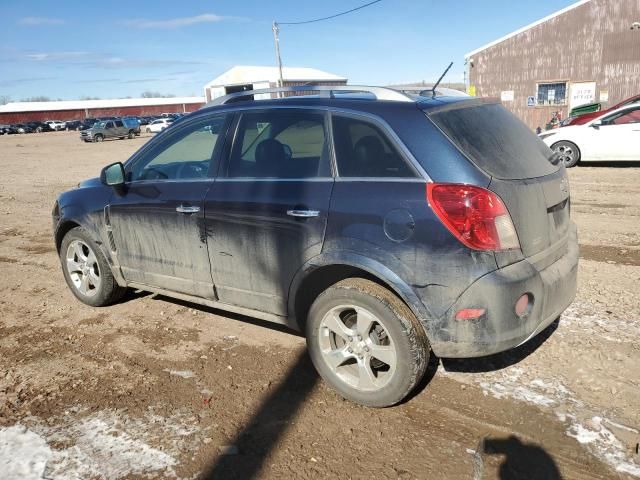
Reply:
x=267, y=212
x=157, y=220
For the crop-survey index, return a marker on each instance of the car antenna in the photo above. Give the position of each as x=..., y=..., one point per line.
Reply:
x=433, y=89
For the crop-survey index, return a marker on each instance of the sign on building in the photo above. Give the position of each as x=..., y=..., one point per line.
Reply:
x=581, y=93
x=506, y=96
x=531, y=101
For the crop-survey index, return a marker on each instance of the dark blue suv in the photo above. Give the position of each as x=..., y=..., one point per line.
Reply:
x=384, y=225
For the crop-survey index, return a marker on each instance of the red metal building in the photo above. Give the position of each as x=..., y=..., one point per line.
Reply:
x=20, y=112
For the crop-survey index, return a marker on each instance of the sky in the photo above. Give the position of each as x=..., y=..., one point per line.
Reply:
x=109, y=49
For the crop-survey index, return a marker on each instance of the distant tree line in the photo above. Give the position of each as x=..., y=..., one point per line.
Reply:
x=4, y=99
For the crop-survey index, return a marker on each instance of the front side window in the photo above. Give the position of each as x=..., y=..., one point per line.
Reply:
x=552, y=93
x=280, y=144
x=363, y=150
x=623, y=118
x=187, y=154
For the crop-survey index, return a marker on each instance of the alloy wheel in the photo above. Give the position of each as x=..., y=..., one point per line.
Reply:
x=83, y=269
x=566, y=153
x=357, y=347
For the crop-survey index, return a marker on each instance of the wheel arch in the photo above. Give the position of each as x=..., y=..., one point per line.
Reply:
x=324, y=270
x=64, y=228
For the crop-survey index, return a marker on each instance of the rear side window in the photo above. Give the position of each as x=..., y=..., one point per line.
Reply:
x=280, y=144
x=496, y=141
x=363, y=150
x=119, y=123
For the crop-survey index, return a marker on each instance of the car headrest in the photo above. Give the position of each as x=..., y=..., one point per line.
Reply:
x=270, y=156
x=369, y=152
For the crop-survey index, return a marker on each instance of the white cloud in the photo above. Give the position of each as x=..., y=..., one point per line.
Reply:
x=40, y=21
x=39, y=57
x=175, y=22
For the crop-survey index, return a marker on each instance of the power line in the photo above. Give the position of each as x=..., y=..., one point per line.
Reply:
x=331, y=16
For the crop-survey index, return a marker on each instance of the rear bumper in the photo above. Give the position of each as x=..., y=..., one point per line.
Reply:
x=553, y=289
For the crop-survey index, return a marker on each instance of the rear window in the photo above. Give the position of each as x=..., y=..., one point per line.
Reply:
x=496, y=141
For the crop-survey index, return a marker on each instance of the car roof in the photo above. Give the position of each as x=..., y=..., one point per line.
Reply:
x=356, y=102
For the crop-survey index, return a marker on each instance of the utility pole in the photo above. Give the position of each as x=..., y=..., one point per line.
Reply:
x=276, y=40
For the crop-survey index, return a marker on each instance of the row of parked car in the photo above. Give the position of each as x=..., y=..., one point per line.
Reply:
x=154, y=124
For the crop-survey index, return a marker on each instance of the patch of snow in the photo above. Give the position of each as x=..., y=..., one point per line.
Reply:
x=604, y=440
x=180, y=373
x=23, y=454
x=103, y=445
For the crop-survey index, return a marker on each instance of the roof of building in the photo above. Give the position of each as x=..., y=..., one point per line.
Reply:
x=17, y=107
x=242, y=74
x=528, y=27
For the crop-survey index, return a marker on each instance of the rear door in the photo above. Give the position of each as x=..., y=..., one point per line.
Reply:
x=267, y=212
x=157, y=220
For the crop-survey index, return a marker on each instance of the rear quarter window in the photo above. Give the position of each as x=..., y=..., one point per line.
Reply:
x=495, y=140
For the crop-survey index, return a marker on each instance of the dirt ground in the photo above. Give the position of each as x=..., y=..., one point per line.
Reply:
x=157, y=388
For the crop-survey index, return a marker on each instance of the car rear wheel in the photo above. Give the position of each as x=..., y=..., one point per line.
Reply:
x=569, y=153
x=131, y=134
x=86, y=270
x=366, y=343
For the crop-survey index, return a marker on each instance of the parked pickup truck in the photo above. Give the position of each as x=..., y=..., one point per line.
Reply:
x=119, y=128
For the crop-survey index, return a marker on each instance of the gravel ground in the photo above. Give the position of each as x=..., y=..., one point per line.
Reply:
x=154, y=388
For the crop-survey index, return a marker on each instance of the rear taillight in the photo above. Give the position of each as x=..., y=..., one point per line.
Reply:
x=476, y=216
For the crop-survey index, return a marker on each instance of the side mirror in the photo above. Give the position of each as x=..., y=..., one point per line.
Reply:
x=597, y=124
x=113, y=175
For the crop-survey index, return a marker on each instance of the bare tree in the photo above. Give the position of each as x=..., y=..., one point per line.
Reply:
x=38, y=98
x=4, y=99
x=152, y=94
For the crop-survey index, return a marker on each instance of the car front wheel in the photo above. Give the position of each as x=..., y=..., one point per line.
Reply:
x=569, y=153
x=366, y=343
x=87, y=271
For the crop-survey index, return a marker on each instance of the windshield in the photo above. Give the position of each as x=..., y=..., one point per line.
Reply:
x=100, y=124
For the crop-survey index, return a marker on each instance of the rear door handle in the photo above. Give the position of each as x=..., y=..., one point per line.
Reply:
x=303, y=213
x=187, y=209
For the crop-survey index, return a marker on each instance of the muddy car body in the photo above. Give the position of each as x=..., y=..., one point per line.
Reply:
x=384, y=227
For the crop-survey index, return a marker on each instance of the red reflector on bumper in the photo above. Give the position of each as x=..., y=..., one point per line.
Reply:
x=524, y=305
x=470, y=313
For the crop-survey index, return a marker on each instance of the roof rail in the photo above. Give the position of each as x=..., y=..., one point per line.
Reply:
x=326, y=91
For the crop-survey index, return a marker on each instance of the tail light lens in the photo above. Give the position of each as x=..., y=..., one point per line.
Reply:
x=476, y=216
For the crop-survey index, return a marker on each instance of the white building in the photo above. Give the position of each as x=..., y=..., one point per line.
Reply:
x=241, y=78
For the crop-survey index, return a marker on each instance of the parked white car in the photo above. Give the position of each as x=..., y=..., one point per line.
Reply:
x=159, y=125
x=56, y=124
x=612, y=136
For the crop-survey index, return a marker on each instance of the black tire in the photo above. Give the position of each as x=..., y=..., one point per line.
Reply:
x=396, y=325
x=131, y=134
x=121, y=138
x=568, y=151
x=98, y=138
x=108, y=291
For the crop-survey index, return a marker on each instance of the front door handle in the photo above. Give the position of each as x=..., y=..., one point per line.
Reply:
x=303, y=213
x=187, y=209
